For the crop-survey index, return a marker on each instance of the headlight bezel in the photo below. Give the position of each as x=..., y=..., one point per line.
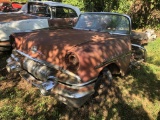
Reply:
x=72, y=61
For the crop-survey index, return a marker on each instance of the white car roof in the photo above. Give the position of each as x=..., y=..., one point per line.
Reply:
x=50, y=3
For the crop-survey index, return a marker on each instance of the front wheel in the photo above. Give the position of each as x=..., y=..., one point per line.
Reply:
x=103, y=83
x=102, y=87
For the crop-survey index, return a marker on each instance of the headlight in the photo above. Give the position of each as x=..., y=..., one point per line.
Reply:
x=71, y=61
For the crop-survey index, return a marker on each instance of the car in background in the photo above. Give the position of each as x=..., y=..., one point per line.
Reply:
x=10, y=6
x=72, y=64
x=33, y=16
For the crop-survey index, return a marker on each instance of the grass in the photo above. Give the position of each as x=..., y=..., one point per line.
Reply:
x=134, y=97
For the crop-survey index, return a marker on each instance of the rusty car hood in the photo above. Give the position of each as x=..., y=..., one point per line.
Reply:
x=15, y=16
x=55, y=41
x=92, y=48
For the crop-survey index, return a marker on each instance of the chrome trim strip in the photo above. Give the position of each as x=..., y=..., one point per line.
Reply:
x=117, y=33
x=136, y=45
x=76, y=95
x=79, y=84
x=14, y=57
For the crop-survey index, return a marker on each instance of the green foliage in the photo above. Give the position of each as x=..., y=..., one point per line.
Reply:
x=21, y=1
x=145, y=13
x=77, y=3
x=122, y=7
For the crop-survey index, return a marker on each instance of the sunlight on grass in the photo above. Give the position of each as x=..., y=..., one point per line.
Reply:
x=156, y=70
x=144, y=83
x=19, y=103
x=138, y=94
x=153, y=49
x=141, y=89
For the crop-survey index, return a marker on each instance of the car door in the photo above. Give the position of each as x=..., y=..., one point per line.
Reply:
x=62, y=17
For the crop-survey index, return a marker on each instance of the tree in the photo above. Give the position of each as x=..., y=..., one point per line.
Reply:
x=145, y=13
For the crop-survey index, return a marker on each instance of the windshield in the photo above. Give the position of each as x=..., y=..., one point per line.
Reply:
x=112, y=23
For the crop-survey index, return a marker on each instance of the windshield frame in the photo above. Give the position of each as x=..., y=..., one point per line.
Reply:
x=123, y=16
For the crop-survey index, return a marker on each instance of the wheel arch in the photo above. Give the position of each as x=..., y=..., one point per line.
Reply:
x=113, y=68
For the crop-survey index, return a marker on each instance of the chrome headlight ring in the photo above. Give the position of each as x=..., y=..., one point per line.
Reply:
x=72, y=61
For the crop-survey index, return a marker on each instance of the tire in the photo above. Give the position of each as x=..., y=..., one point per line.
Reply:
x=103, y=83
x=102, y=87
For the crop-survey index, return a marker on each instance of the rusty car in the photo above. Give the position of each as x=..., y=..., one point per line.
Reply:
x=36, y=15
x=70, y=63
x=8, y=6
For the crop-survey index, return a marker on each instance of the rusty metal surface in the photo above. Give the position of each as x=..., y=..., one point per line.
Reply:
x=62, y=22
x=94, y=50
x=15, y=17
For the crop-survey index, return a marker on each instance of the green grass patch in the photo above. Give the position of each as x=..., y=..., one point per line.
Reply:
x=153, y=49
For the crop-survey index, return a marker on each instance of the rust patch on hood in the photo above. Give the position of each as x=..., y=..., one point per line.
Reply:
x=55, y=43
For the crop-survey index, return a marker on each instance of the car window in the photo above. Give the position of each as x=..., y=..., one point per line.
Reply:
x=56, y=11
x=38, y=9
x=63, y=12
x=115, y=24
x=72, y=13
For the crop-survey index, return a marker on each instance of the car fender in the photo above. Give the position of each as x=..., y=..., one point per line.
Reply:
x=8, y=28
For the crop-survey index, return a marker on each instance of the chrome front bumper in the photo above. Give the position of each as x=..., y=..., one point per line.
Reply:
x=70, y=95
x=74, y=95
